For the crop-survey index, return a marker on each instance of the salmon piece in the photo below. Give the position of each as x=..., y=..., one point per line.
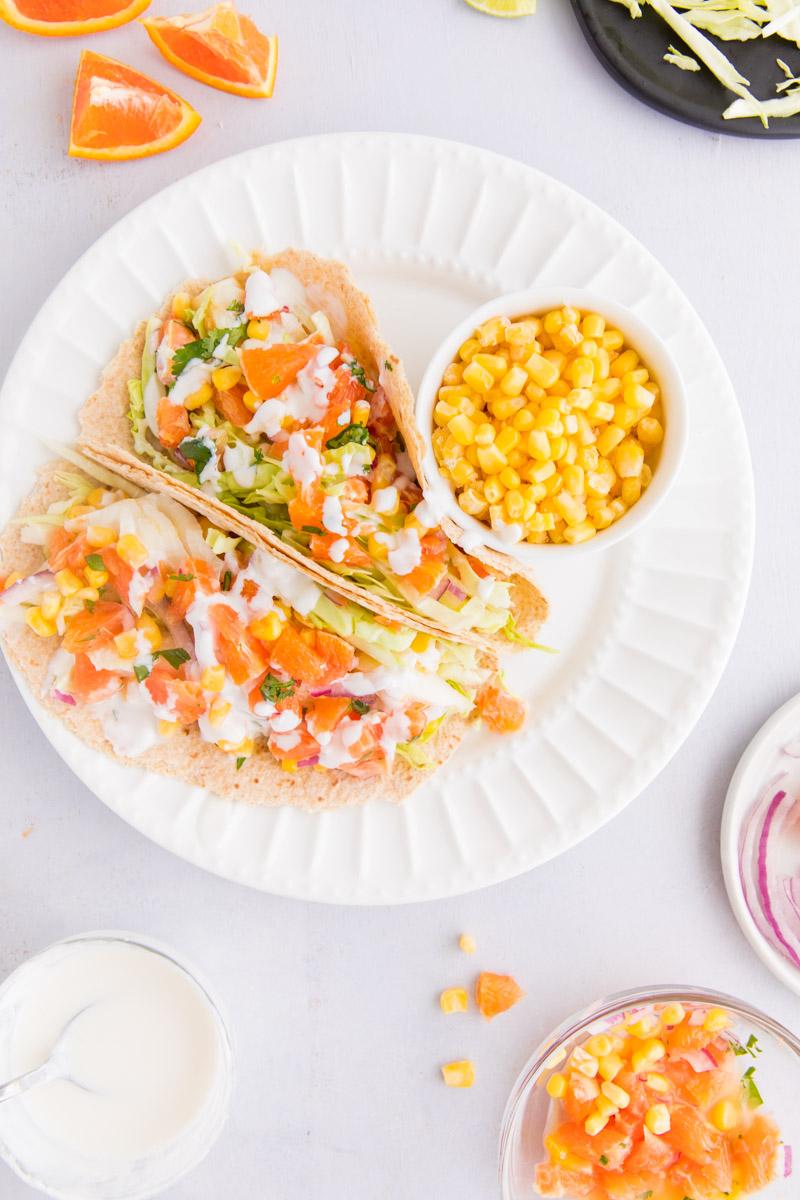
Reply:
x=609, y=1149
x=305, y=510
x=182, y=698
x=354, y=556
x=652, y=1155
x=172, y=421
x=688, y=1037
x=173, y=335
x=89, y=630
x=337, y=655
x=67, y=551
x=327, y=712
x=305, y=747
x=355, y=490
x=269, y=370
x=232, y=408
x=243, y=655
x=294, y=657
x=498, y=709
x=344, y=394
x=120, y=573
x=702, y=1144
x=561, y=1183
x=755, y=1154
x=629, y=1185
x=495, y=994
x=87, y=684
x=425, y=576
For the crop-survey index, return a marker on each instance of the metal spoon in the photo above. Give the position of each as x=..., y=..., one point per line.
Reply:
x=51, y=1068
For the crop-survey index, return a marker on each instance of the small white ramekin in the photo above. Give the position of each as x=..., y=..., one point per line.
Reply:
x=639, y=337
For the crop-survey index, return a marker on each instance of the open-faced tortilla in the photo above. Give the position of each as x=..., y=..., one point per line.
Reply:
x=118, y=698
x=249, y=476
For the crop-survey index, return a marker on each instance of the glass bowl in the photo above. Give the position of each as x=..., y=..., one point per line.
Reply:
x=56, y=1168
x=525, y=1118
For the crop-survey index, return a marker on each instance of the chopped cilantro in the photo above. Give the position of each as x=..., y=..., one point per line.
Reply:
x=197, y=451
x=357, y=371
x=274, y=689
x=174, y=655
x=313, y=529
x=240, y=763
x=236, y=306
x=754, y=1097
x=258, y=455
x=353, y=433
x=359, y=706
x=227, y=580
x=89, y=604
x=95, y=562
x=141, y=671
x=752, y=1048
x=388, y=365
x=179, y=578
x=604, y=1160
x=205, y=347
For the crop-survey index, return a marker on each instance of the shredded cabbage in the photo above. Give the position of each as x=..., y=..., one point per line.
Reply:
x=684, y=62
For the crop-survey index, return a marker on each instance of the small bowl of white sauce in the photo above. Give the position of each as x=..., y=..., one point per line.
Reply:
x=145, y=1066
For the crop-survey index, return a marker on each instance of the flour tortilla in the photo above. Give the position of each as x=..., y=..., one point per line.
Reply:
x=186, y=756
x=106, y=438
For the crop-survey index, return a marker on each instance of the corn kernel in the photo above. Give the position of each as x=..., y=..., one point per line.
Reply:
x=491, y=459
x=268, y=627
x=287, y=764
x=553, y=321
x=218, y=711
x=657, y=1119
x=625, y=416
x=484, y=434
x=507, y=440
x=523, y=420
x=509, y=478
x=521, y=332
x=725, y=1115
x=538, y=445
x=95, y=578
x=361, y=412
x=615, y=1094
x=462, y=429
x=540, y=473
x=593, y=325
x=558, y=448
x=467, y=943
x=581, y=373
x=584, y=1062
x=453, y=1000
x=478, y=377
x=574, y=513
x=463, y=473
x=624, y=363
x=716, y=1020
x=79, y=510
x=459, y=1074
x=131, y=550
x=628, y=459
x=600, y=410
x=50, y=604
x=452, y=375
x=541, y=370
x=649, y=1053
x=444, y=412
x=67, y=582
x=225, y=378
x=100, y=536
x=514, y=381
x=610, y=1066
x=574, y=479
x=167, y=728
x=468, y=348
x=631, y=491
x=672, y=1014
x=251, y=401
x=258, y=329
x=556, y=1086
x=37, y=621
x=422, y=642
x=514, y=505
x=595, y=1123
x=568, y=338
x=609, y=439
x=549, y=420
x=126, y=644
x=492, y=331
x=197, y=399
x=574, y=534
x=650, y=432
x=658, y=1082
x=639, y=398
x=494, y=490
x=599, y=1045
x=151, y=631
x=605, y=1107
x=472, y=503
x=377, y=547
x=213, y=679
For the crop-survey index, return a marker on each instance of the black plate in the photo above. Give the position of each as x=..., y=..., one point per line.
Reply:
x=632, y=51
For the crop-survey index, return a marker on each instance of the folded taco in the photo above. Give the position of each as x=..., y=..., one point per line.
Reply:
x=172, y=645
x=268, y=401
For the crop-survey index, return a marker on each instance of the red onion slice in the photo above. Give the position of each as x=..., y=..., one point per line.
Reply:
x=787, y=1161
x=30, y=588
x=64, y=697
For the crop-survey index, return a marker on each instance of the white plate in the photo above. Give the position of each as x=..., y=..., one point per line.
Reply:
x=432, y=229
x=762, y=761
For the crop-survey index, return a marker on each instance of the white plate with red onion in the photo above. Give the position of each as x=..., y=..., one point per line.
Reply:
x=761, y=843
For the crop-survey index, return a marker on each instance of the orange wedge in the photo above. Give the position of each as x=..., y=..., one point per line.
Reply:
x=68, y=18
x=220, y=47
x=118, y=113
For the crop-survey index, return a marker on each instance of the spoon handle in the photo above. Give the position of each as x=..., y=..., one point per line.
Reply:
x=15, y=1087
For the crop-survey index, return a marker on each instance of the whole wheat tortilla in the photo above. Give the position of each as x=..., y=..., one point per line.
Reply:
x=107, y=439
x=185, y=755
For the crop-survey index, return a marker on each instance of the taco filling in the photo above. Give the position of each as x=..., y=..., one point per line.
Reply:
x=161, y=623
x=246, y=393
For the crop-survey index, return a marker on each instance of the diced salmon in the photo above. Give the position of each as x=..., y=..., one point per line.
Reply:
x=293, y=656
x=625, y=1185
x=87, y=684
x=173, y=335
x=608, y=1149
x=344, y=394
x=305, y=747
x=236, y=648
x=89, y=630
x=702, y=1144
x=67, y=551
x=183, y=699
x=557, y=1182
x=425, y=576
x=755, y=1154
x=327, y=711
x=652, y=1154
x=231, y=407
x=269, y=370
x=305, y=510
x=173, y=423
x=337, y=655
x=354, y=556
x=120, y=573
x=501, y=712
x=495, y=994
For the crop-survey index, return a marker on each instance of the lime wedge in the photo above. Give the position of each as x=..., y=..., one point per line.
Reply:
x=504, y=8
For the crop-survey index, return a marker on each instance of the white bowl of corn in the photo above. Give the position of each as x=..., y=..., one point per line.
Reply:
x=555, y=420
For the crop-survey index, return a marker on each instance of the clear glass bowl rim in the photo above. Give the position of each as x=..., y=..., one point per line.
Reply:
x=607, y=1007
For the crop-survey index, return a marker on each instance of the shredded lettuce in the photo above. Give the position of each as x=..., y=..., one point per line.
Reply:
x=684, y=62
x=412, y=751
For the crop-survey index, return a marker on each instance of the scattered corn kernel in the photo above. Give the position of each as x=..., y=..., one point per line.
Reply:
x=657, y=1119
x=95, y=578
x=716, y=1020
x=126, y=644
x=610, y=1066
x=725, y=1115
x=658, y=1082
x=213, y=679
x=225, y=378
x=606, y=1107
x=131, y=550
x=595, y=1123
x=202, y=396
x=649, y=1053
x=615, y=1094
x=466, y=942
x=37, y=621
x=167, y=728
x=218, y=711
x=584, y=1062
x=258, y=329
x=459, y=1074
x=556, y=1086
x=68, y=582
x=100, y=536
x=267, y=628
x=454, y=1000
x=251, y=401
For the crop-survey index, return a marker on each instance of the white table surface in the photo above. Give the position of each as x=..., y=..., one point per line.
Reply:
x=335, y=1010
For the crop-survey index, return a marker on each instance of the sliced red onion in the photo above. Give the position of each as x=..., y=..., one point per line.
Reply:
x=763, y=843
x=787, y=1161
x=446, y=585
x=698, y=1060
x=64, y=697
x=791, y=887
x=309, y=762
x=339, y=601
x=315, y=692
x=28, y=589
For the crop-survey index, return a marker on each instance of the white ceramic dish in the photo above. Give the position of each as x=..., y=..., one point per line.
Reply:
x=762, y=761
x=432, y=229
x=642, y=337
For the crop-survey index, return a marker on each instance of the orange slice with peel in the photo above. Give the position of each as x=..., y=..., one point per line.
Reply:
x=69, y=18
x=220, y=47
x=118, y=113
